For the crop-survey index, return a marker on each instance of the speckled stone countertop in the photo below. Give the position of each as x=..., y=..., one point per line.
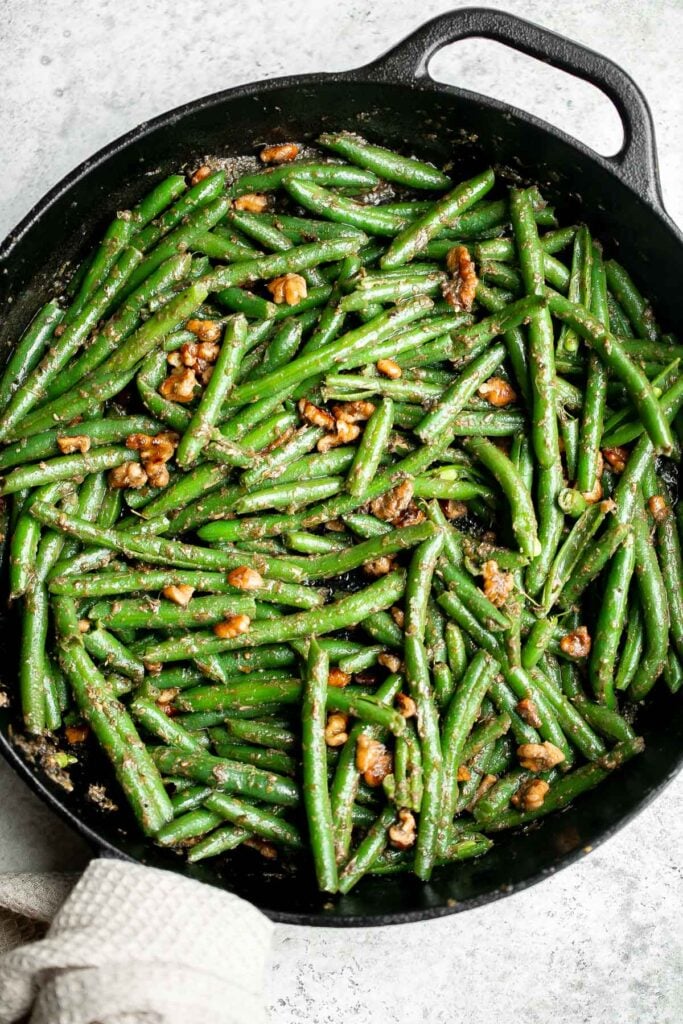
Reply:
x=601, y=942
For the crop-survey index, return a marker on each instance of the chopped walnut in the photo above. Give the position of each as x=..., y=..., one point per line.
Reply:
x=528, y=712
x=391, y=662
x=245, y=578
x=403, y=834
x=252, y=202
x=167, y=696
x=281, y=153
x=405, y=705
x=398, y=615
x=390, y=504
x=345, y=433
x=202, y=172
x=484, y=786
x=174, y=358
x=77, y=733
x=659, y=510
x=84, y=625
x=335, y=526
x=160, y=446
x=204, y=330
x=497, y=392
x=180, y=594
x=74, y=443
x=354, y=412
x=208, y=351
x=531, y=795
x=335, y=730
x=157, y=473
x=411, y=516
x=373, y=760
x=616, y=458
x=337, y=678
x=539, y=757
x=454, y=509
x=316, y=416
x=154, y=668
x=232, y=626
x=389, y=368
x=460, y=289
x=497, y=585
x=378, y=566
x=130, y=474
x=463, y=773
x=180, y=386
x=576, y=644
x=289, y=288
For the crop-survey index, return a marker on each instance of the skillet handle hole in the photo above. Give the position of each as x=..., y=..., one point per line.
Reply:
x=496, y=70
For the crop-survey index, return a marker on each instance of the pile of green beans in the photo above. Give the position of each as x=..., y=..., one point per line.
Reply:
x=413, y=555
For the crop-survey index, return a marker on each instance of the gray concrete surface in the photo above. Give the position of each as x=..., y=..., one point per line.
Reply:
x=601, y=942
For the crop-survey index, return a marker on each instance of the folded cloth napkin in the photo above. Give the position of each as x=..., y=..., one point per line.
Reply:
x=130, y=945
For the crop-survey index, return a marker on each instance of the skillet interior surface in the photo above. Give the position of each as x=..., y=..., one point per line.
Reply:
x=443, y=124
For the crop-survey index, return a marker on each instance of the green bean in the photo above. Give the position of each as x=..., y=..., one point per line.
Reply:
x=415, y=237
x=612, y=354
x=634, y=305
x=669, y=552
x=632, y=648
x=572, y=785
x=265, y=734
x=315, y=791
x=68, y=467
x=524, y=524
x=156, y=722
x=384, y=162
x=577, y=541
x=673, y=672
x=610, y=623
x=105, y=647
x=367, y=852
x=334, y=175
x=257, y=820
x=134, y=613
x=29, y=349
x=26, y=537
x=655, y=609
x=580, y=285
x=226, y=775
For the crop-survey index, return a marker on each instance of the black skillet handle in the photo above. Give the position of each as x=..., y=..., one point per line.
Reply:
x=636, y=162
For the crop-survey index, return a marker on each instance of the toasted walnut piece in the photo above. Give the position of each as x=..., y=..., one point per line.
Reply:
x=130, y=474
x=202, y=172
x=174, y=358
x=154, y=668
x=391, y=662
x=497, y=392
x=531, y=795
x=208, y=351
x=262, y=846
x=138, y=442
x=168, y=695
x=460, y=289
x=411, y=516
x=282, y=153
x=659, y=510
x=454, y=509
x=403, y=834
x=179, y=386
x=335, y=526
x=74, y=443
x=316, y=416
x=463, y=773
x=337, y=678
x=373, y=760
x=157, y=473
x=204, y=330
x=252, y=202
x=616, y=458
x=576, y=644
x=344, y=433
x=232, y=626
x=245, y=578
x=84, y=625
x=398, y=615
x=378, y=566
x=59, y=330
x=390, y=504
x=335, y=730
x=498, y=585
x=405, y=705
x=354, y=412
x=289, y=288
x=180, y=594
x=188, y=354
x=389, y=368
x=528, y=712
x=539, y=757
x=77, y=733
x=484, y=786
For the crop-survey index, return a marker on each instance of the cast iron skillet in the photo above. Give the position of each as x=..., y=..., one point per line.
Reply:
x=395, y=101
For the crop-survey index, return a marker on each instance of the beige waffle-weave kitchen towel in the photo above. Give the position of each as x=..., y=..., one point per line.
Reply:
x=131, y=945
